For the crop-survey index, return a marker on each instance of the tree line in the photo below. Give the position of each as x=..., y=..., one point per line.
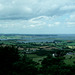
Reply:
x=12, y=63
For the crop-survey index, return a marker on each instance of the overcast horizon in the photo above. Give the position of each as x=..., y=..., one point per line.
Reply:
x=37, y=16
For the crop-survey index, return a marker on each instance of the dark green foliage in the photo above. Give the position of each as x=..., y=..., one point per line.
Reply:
x=8, y=55
x=56, y=66
x=25, y=66
x=42, y=53
x=12, y=64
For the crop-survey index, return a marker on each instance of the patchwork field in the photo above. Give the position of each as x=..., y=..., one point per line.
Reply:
x=36, y=58
x=69, y=59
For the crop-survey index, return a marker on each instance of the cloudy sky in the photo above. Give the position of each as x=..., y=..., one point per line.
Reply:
x=37, y=16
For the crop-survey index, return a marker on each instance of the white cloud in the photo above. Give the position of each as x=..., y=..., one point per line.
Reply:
x=0, y=25
x=32, y=25
x=37, y=14
x=68, y=7
x=38, y=22
x=24, y=26
x=1, y=7
x=57, y=23
x=72, y=16
x=27, y=9
x=50, y=25
x=13, y=2
x=71, y=23
x=54, y=24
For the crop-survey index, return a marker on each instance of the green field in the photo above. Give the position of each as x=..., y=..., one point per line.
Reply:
x=68, y=60
x=36, y=58
x=10, y=37
x=71, y=44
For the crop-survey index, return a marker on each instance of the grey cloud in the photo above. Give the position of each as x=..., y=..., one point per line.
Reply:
x=26, y=9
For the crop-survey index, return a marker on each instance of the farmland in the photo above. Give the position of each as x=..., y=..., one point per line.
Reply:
x=45, y=53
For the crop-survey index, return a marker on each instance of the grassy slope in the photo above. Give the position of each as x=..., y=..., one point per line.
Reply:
x=36, y=58
x=69, y=61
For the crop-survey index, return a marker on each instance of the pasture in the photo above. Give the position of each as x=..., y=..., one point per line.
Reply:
x=36, y=58
x=69, y=59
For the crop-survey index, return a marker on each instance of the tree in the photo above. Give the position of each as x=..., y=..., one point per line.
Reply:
x=8, y=55
x=12, y=64
x=55, y=66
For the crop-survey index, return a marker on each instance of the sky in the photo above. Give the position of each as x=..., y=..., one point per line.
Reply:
x=37, y=16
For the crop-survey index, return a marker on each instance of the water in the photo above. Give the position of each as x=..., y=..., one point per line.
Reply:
x=40, y=37
x=50, y=38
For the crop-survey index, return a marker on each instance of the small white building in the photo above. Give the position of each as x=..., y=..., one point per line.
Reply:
x=54, y=54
